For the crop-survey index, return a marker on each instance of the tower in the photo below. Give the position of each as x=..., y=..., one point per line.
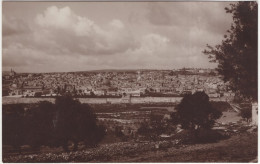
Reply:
x=12, y=72
x=138, y=75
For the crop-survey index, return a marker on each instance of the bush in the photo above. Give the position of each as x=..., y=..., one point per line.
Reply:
x=39, y=124
x=13, y=125
x=246, y=113
x=75, y=122
x=199, y=136
x=195, y=111
x=51, y=124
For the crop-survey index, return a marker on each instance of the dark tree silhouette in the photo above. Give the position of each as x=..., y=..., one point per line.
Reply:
x=118, y=131
x=51, y=124
x=157, y=124
x=39, y=125
x=13, y=125
x=195, y=112
x=154, y=128
x=75, y=122
x=237, y=54
x=144, y=129
x=246, y=113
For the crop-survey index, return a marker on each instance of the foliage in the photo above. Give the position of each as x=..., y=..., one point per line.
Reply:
x=38, y=94
x=237, y=54
x=144, y=129
x=51, y=124
x=239, y=148
x=155, y=127
x=39, y=125
x=13, y=125
x=118, y=131
x=246, y=113
x=195, y=111
x=5, y=92
x=199, y=136
x=156, y=122
x=75, y=122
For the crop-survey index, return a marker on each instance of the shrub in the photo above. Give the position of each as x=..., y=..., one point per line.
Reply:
x=195, y=111
x=199, y=136
x=13, y=125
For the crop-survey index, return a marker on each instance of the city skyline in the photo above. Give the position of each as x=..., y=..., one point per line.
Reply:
x=85, y=36
x=107, y=70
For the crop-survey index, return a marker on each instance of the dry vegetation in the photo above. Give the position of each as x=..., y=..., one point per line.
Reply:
x=241, y=147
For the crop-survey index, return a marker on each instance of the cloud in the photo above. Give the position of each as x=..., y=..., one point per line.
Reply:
x=158, y=15
x=157, y=35
x=58, y=18
x=117, y=24
x=151, y=44
x=16, y=55
x=81, y=34
x=189, y=27
x=206, y=15
x=14, y=26
x=58, y=34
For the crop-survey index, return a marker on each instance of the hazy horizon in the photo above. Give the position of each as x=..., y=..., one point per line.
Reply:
x=105, y=70
x=85, y=36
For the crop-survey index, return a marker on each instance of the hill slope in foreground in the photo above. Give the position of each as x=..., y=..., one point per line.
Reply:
x=241, y=147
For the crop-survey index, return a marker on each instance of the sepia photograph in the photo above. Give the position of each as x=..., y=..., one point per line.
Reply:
x=129, y=81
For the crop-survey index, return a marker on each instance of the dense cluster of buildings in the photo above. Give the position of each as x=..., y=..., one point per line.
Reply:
x=116, y=83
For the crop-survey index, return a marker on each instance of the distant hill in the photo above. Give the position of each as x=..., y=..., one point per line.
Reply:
x=110, y=70
x=118, y=70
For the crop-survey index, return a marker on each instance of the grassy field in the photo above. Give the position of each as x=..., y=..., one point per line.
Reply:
x=238, y=148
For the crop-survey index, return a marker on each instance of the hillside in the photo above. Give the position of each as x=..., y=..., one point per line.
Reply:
x=239, y=148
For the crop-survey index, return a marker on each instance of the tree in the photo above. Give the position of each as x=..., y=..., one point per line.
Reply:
x=118, y=131
x=13, y=126
x=237, y=54
x=5, y=92
x=144, y=129
x=195, y=112
x=246, y=113
x=58, y=90
x=157, y=125
x=154, y=128
x=212, y=73
x=39, y=124
x=38, y=94
x=75, y=122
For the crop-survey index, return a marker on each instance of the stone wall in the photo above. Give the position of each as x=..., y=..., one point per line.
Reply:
x=138, y=100
x=134, y=100
x=16, y=100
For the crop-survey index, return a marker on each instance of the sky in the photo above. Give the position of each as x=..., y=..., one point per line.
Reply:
x=82, y=36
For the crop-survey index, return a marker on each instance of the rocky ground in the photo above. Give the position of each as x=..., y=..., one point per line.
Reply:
x=240, y=147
